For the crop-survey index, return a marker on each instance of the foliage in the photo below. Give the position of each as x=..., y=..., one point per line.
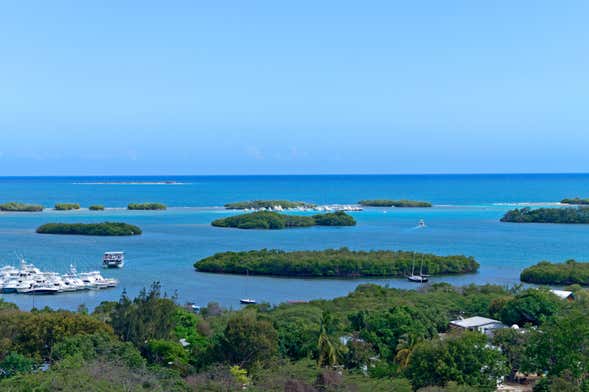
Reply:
x=547, y=215
x=148, y=316
x=248, y=340
x=394, y=203
x=146, y=206
x=570, y=272
x=333, y=262
x=20, y=207
x=96, y=207
x=267, y=204
x=270, y=220
x=66, y=206
x=561, y=345
x=463, y=358
x=513, y=343
x=15, y=363
x=531, y=306
x=338, y=218
x=97, y=229
x=576, y=201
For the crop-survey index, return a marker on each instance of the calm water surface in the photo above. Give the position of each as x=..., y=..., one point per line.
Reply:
x=465, y=220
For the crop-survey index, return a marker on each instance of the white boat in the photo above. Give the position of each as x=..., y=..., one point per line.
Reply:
x=421, y=278
x=421, y=223
x=41, y=288
x=247, y=301
x=113, y=260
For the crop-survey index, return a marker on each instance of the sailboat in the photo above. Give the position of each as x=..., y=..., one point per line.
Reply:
x=421, y=278
x=246, y=300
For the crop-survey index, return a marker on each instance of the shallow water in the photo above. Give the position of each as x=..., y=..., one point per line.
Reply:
x=465, y=220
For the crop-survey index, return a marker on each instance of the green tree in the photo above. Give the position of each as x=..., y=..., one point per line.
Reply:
x=15, y=363
x=530, y=306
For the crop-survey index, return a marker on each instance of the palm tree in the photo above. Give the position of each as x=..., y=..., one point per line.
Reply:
x=325, y=347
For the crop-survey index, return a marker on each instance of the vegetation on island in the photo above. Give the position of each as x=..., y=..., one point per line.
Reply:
x=66, y=206
x=267, y=204
x=270, y=220
x=20, y=207
x=394, y=203
x=374, y=339
x=146, y=206
x=96, y=207
x=576, y=201
x=98, y=229
x=341, y=262
x=547, y=215
x=567, y=273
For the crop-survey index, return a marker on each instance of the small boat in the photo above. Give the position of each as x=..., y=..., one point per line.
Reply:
x=421, y=223
x=421, y=278
x=113, y=260
x=41, y=288
x=246, y=300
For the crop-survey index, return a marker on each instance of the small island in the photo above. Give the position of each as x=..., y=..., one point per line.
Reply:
x=66, y=206
x=268, y=205
x=20, y=207
x=97, y=229
x=146, y=206
x=269, y=220
x=547, y=215
x=394, y=203
x=567, y=273
x=96, y=207
x=575, y=201
x=334, y=263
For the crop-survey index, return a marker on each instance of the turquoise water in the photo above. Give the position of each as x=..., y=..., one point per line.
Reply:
x=464, y=220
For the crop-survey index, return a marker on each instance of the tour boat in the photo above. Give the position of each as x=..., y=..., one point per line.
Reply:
x=113, y=259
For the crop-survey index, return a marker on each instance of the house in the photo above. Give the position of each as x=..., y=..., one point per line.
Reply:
x=563, y=294
x=477, y=323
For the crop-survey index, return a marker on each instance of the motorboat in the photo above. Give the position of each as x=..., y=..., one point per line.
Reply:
x=113, y=260
x=248, y=301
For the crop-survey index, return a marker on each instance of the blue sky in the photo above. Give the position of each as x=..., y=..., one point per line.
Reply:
x=253, y=87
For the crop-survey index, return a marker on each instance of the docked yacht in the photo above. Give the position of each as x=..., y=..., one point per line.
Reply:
x=113, y=260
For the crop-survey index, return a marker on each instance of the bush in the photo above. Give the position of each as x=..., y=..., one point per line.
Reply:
x=20, y=207
x=66, y=206
x=394, y=203
x=333, y=262
x=98, y=229
x=269, y=220
x=146, y=206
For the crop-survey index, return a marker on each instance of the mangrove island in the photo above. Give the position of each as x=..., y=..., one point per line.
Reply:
x=269, y=220
x=98, y=229
x=341, y=262
x=66, y=206
x=394, y=203
x=267, y=204
x=146, y=206
x=20, y=207
x=567, y=273
x=575, y=201
x=96, y=207
x=547, y=215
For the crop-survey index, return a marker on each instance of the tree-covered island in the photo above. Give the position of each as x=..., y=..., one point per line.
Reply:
x=575, y=201
x=270, y=220
x=66, y=206
x=96, y=207
x=267, y=204
x=341, y=262
x=394, y=203
x=567, y=273
x=547, y=215
x=146, y=206
x=97, y=229
x=20, y=207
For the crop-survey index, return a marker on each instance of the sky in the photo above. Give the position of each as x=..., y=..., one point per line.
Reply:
x=302, y=87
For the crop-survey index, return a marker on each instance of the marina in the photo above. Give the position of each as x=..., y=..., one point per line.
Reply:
x=29, y=279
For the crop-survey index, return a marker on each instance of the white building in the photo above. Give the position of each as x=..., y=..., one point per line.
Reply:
x=477, y=323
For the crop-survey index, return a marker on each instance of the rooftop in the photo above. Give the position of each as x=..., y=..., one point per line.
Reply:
x=473, y=322
x=562, y=293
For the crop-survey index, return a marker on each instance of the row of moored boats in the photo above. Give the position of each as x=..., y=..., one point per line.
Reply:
x=29, y=279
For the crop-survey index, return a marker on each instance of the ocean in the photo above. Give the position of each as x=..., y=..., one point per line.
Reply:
x=464, y=220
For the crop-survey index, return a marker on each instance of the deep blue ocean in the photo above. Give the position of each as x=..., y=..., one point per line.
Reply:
x=464, y=220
